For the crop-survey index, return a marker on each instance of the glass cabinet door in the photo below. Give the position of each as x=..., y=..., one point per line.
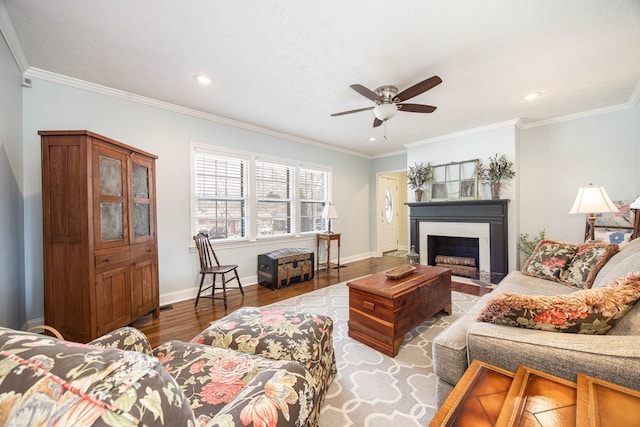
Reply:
x=110, y=190
x=142, y=188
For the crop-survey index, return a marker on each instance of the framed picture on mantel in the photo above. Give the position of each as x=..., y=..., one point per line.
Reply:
x=455, y=181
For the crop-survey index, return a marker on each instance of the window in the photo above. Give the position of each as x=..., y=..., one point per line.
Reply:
x=313, y=184
x=238, y=196
x=273, y=198
x=220, y=195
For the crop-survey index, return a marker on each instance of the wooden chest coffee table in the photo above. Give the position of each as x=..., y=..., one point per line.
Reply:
x=383, y=310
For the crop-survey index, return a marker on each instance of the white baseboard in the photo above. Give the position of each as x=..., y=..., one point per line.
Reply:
x=190, y=293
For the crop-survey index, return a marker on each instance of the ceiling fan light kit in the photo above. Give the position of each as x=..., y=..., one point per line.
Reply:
x=385, y=111
x=389, y=101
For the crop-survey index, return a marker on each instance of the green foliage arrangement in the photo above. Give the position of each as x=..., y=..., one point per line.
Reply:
x=527, y=244
x=498, y=169
x=418, y=174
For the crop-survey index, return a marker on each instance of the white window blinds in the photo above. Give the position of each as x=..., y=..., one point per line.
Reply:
x=274, y=185
x=220, y=193
x=313, y=185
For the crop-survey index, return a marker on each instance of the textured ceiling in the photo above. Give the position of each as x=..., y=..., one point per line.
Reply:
x=287, y=65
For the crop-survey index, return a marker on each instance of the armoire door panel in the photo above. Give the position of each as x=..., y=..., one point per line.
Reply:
x=144, y=292
x=113, y=307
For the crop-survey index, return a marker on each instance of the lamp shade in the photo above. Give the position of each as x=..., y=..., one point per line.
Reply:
x=330, y=211
x=385, y=111
x=635, y=204
x=592, y=199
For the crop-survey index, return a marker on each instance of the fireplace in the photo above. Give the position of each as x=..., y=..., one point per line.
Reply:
x=484, y=220
x=460, y=254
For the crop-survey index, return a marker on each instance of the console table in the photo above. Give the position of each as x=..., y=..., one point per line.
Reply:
x=327, y=237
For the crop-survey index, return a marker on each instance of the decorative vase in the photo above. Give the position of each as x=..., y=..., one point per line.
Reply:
x=418, y=193
x=495, y=190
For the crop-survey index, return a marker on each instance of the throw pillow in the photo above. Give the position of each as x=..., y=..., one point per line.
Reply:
x=587, y=262
x=611, y=235
x=589, y=311
x=549, y=258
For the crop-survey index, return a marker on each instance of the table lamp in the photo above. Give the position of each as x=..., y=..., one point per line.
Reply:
x=592, y=200
x=636, y=217
x=329, y=213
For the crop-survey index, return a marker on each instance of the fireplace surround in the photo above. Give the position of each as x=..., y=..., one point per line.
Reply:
x=491, y=212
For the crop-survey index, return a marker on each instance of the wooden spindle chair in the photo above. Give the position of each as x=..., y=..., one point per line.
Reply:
x=209, y=265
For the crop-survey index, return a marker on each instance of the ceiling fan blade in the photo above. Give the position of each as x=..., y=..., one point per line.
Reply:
x=417, y=89
x=352, y=111
x=416, y=108
x=367, y=93
x=377, y=122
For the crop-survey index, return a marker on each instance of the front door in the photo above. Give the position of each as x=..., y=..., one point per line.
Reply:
x=388, y=215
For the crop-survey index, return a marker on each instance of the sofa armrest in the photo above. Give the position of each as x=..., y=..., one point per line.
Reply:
x=612, y=358
x=127, y=338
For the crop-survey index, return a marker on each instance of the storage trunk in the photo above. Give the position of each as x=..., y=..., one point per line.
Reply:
x=285, y=266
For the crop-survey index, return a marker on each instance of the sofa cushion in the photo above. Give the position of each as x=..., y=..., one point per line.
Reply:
x=573, y=264
x=627, y=260
x=591, y=311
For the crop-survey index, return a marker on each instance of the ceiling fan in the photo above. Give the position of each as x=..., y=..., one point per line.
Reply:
x=389, y=101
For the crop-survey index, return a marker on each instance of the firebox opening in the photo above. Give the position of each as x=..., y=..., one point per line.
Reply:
x=460, y=254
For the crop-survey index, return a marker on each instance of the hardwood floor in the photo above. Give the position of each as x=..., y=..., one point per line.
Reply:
x=181, y=321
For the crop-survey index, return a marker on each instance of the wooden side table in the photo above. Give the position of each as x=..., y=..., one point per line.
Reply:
x=327, y=237
x=477, y=399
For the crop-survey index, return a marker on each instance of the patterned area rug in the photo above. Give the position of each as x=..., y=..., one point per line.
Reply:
x=372, y=389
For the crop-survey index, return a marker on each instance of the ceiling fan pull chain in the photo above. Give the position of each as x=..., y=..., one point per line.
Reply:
x=385, y=130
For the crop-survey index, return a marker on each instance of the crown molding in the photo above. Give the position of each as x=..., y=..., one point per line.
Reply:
x=580, y=115
x=631, y=103
x=38, y=73
x=635, y=95
x=11, y=37
x=507, y=123
x=389, y=154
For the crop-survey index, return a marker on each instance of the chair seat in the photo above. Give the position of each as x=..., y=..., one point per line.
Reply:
x=220, y=269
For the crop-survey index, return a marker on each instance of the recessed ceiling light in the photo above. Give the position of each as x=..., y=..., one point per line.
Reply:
x=203, y=79
x=373, y=139
x=531, y=96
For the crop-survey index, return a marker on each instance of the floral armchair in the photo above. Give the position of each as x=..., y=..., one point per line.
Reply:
x=46, y=381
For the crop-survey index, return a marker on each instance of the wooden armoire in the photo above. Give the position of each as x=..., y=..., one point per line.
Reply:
x=99, y=233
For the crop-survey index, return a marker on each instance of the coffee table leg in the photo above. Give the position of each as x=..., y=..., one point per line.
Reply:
x=447, y=309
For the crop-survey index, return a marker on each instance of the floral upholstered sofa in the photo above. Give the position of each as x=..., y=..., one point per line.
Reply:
x=571, y=309
x=118, y=380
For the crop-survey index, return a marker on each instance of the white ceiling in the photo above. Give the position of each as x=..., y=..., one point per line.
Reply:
x=287, y=65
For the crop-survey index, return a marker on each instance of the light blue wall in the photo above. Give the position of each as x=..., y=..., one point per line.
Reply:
x=480, y=143
x=168, y=134
x=557, y=159
x=12, y=297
